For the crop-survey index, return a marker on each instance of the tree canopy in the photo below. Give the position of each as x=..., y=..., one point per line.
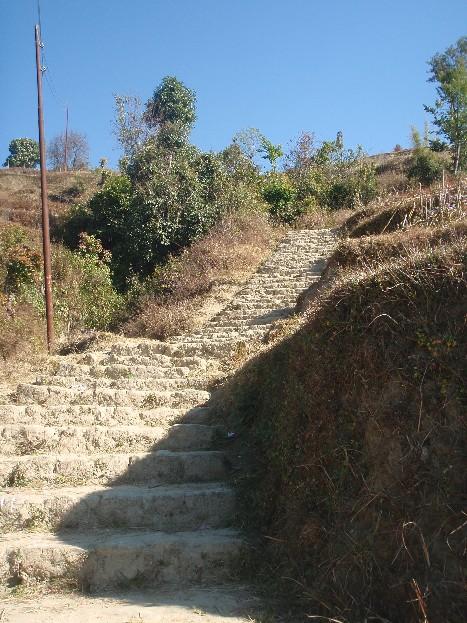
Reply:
x=171, y=111
x=449, y=71
x=24, y=152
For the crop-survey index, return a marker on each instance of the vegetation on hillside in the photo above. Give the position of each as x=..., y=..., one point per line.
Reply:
x=355, y=421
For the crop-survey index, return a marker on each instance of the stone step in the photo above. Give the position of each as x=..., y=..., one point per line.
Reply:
x=158, y=467
x=212, y=342
x=248, y=328
x=120, y=371
x=85, y=383
x=22, y=439
x=214, y=334
x=268, y=287
x=231, y=326
x=207, y=348
x=137, y=360
x=50, y=395
x=268, y=315
x=173, y=508
x=294, y=283
x=88, y=415
x=257, y=308
x=112, y=356
x=116, y=559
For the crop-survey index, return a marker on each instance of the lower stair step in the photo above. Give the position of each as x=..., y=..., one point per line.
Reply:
x=87, y=415
x=159, y=467
x=113, y=559
x=52, y=395
x=168, y=508
x=22, y=439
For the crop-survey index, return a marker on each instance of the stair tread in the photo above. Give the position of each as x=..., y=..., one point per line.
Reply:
x=27, y=458
x=115, y=538
x=100, y=427
x=84, y=491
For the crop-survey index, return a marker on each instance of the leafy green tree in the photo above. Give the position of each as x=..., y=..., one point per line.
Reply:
x=270, y=152
x=281, y=196
x=449, y=71
x=24, y=152
x=169, y=193
x=171, y=111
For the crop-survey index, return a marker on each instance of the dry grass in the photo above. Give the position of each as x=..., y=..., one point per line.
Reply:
x=391, y=170
x=20, y=193
x=355, y=419
x=320, y=218
x=191, y=287
x=400, y=210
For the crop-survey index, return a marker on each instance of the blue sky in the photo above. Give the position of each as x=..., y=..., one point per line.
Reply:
x=280, y=65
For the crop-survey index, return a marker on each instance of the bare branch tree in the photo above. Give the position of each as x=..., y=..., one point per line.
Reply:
x=77, y=152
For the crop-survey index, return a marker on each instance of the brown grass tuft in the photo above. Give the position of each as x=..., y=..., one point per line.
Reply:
x=400, y=210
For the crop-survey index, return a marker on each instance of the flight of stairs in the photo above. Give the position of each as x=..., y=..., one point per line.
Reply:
x=113, y=473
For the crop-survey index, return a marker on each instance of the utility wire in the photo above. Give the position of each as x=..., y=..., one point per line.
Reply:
x=45, y=66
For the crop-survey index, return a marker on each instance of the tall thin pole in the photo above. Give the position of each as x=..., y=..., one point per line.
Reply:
x=66, y=141
x=45, y=207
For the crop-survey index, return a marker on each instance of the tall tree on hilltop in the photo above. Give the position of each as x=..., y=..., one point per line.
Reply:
x=449, y=71
x=171, y=111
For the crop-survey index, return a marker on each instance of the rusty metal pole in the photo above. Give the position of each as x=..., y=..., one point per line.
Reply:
x=45, y=207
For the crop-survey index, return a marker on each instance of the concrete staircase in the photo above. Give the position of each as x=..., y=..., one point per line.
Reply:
x=112, y=471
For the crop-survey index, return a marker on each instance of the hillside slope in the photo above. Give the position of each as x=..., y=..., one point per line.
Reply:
x=20, y=193
x=355, y=422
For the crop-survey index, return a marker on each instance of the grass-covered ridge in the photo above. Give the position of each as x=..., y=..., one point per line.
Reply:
x=356, y=422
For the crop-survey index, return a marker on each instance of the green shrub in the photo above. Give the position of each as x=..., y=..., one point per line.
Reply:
x=426, y=166
x=85, y=297
x=331, y=176
x=358, y=187
x=20, y=264
x=281, y=196
x=22, y=268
